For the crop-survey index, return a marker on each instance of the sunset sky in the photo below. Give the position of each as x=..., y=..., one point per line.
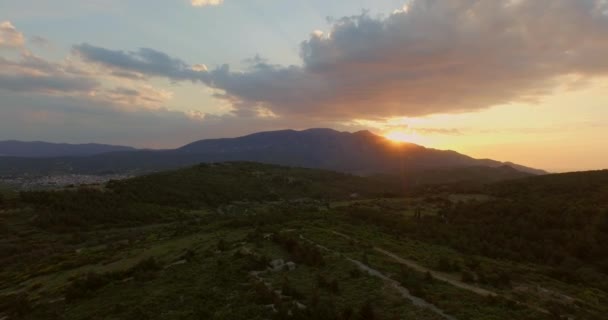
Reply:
x=515, y=80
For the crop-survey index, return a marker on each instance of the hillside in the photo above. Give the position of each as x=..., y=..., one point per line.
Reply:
x=585, y=187
x=38, y=149
x=360, y=153
x=255, y=241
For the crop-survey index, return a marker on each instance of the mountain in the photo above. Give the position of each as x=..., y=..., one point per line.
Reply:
x=361, y=153
x=38, y=149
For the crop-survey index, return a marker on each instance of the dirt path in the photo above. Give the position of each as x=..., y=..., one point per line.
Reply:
x=437, y=275
x=442, y=276
x=405, y=293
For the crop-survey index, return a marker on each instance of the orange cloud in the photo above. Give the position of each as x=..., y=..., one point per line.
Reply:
x=433, y=57
x=428, y=58
x=10, y=37
x=203, y=3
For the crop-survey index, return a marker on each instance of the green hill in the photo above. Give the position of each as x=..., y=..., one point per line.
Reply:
x=255, y=241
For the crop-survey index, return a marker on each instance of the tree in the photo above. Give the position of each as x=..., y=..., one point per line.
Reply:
x=347, y=314
x=367, y=312
x=221, y=245
x=467, y=276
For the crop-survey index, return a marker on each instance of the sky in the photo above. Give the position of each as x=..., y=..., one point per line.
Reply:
x=514, y=80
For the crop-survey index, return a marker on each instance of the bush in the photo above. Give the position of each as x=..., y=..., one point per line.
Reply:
x=447, y=265
x=301, y=253
x=145, y=269
x=467, y=276
x=355, y=273
x=367, y=312
x=222, y=245
x=84, y=287
x=332, y=286
x=16, y=305
x=288, y=290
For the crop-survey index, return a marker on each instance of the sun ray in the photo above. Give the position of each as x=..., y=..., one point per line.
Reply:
x=405, y=136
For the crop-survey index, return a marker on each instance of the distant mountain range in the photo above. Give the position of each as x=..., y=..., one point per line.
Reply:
x=361, y=153
x=39, y=149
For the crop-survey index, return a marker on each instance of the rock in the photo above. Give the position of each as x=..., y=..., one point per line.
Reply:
x=176, y=263
x=277, y=265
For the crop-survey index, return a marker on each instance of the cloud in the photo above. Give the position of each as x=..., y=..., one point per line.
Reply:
x=440, y=131
x=33, y=74
x=10, y=37
x=203, y=3
x=81, y=119
x=49, y=84
x=136, y=97
x=433, y=57
x=144, y=61
x=40, y=42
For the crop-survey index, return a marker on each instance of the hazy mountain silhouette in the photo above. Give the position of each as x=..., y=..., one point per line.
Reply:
x=361, y=152
x=39, y=149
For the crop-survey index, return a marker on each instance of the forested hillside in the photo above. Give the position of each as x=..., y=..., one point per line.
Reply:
x=255, y=241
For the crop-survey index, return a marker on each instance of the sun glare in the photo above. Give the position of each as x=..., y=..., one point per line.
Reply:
x=403, y=136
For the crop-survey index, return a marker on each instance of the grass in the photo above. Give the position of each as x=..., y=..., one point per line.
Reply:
x=213, y=279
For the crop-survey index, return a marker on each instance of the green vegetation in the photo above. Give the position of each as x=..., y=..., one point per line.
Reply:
x=252, y=241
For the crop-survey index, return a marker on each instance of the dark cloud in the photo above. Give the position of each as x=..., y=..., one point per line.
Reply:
x=143, y=61
x=431, y=57
x=434, y=57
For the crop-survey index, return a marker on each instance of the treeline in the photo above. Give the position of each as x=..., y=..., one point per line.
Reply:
x=80, y=209
x=164, y=196
x=562, y=225
x=575, y=187
x=570, y=238
x=217, y=184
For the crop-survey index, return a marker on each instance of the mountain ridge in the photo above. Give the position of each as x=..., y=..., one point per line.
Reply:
x=373, y=142
x=360, y=152
x=42, y=149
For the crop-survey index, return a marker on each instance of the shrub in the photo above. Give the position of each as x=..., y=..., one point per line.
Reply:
x=367, y=312
x=16, y=305
x=467, y=276
x=84, y=287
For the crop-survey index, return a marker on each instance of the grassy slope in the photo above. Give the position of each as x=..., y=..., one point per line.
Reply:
x=202, y=259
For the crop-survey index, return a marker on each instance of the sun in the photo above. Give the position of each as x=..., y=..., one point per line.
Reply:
x=404, y=136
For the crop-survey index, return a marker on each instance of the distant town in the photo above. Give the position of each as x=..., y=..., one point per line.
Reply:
x=57, y=181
